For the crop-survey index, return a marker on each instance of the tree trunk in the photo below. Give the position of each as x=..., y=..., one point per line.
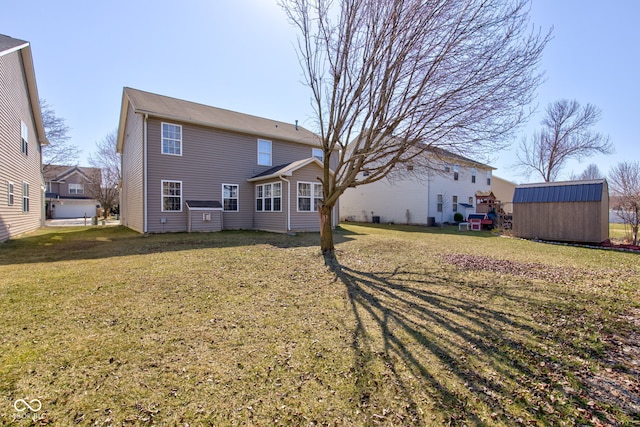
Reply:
x=635, y=234
x=326, y=236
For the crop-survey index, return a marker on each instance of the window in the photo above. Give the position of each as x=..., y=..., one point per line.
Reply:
x=440, y=202
x=25, y=138
x=473, y=175
x=230, y=197
x=456, y=169
x=10, y=193
x=76, y=189
x=455, y=203
x=171, y=139
x=309, y=196
x=447, y=167
x=171, y=196
x=25, y=197
x=488, y=177
x=264, y=152
x=471, y=201
x=269, y=197
x=317, y=153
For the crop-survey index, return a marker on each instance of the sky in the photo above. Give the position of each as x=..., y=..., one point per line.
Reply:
x=240, y=55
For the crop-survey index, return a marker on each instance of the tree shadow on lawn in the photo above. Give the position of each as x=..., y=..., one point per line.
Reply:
x=85, y=243
x=451, y=354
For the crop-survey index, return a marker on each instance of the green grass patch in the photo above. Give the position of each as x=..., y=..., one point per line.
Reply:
x=421, y=326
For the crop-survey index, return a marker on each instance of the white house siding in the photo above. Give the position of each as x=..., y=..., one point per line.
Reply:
x=210, y=158
x=132, y=194
x=15, y=166
x=413, y=200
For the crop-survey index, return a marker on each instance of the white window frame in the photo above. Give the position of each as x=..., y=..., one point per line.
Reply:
x=447, y=167
x=230, y=197
x=488, y=177
x=263, y=195
x=262, y=152
x=315, y=196
x=10, y=193
x=175, y=142
x=162, y=195
x=440, y=203
x=25, y=196
x=24, y=138
x=318, y=154
x=473, y=175
x=76, y=189
x=456, y=172
x=454, y=203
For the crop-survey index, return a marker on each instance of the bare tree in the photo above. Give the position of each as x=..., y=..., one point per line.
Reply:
x=105, y=188
x=407, y=76
x=59, y=151
x=624, y=181
x=566, y=134
x=591, y=172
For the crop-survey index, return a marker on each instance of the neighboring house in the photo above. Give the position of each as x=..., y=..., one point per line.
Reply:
x=429, y=197
x=572, y=211
x=21, y=137
x=68, y=191
x=192, y=167
x=503, y=190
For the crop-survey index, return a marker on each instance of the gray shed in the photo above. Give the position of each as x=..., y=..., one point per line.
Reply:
x=572, y=211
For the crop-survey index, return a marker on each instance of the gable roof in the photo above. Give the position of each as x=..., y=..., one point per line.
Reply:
x=60, y=172
x=179, y=110
x=9, y=45
x=569, y=191
x=286, y=169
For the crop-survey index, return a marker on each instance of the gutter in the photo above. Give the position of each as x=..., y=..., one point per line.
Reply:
x=288, y=201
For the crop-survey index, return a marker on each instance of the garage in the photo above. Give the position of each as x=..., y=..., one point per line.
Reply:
x=74, y=209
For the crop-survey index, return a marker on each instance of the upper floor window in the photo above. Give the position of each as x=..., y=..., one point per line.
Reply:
x=447, y=167
x=309, y=196
x=440, y=202
x=264, y=152
x=488, y=177
x=25, y=138
x=76, y=189
x=455, y=203
x=10, y=193
x=473, y=175
x=456, y=170
x=25, y=197
x=269, y=197
x=471, y=201
x=230, y=197
x=317, y=153
x=171, y=196
x=171, y=139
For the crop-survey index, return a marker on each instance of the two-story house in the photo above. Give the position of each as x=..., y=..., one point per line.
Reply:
x=21, y=137
x=422, y=197
x=68, y=191
x=193, y=167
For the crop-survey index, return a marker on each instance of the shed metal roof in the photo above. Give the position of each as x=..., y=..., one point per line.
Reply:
x=587, y=191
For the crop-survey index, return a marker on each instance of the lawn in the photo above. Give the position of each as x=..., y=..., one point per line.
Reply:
x=422, y=326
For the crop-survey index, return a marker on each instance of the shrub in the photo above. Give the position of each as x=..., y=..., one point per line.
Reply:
x=458, y=217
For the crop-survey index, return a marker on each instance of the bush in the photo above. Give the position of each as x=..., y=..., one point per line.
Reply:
x=458, y=217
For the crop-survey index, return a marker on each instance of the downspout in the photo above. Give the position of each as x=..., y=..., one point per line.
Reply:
x=288, y=202
x=144, y=175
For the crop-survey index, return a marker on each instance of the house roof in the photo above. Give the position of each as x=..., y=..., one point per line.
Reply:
x=285, y=170
x=208, y=204
x=442, y=153
x=60, y=172
x=179, y=110
x=568, y=191
x=9, y=45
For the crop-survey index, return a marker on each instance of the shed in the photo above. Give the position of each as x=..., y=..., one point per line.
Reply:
x=572, y=211
x=204, y=215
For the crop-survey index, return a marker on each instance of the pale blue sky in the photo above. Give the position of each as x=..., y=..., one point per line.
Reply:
x=240, y=55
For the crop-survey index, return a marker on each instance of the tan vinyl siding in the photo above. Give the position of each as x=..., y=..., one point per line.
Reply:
x=210, y=157
x=132, y=194
x=15, y=166
x=304, y=221
x=197, y=223
x=273, y=221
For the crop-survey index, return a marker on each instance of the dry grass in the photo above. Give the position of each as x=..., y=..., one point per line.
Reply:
x=107, y=327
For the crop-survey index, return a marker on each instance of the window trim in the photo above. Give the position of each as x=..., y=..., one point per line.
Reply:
x=270, y=153
x=318, y=154
x=25, y=196
x=454, y=203
x=236, y=198
x=10, y=194
x=439, y=203
x=456, y=172
x=272, y=197
x=488, y=177
x=81, y=188
x=313, y=198
x=162, y=195
x=24, y=138
x=162, y=138
x=473, y=175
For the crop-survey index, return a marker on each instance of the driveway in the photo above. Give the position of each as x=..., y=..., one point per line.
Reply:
x=75, y=222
